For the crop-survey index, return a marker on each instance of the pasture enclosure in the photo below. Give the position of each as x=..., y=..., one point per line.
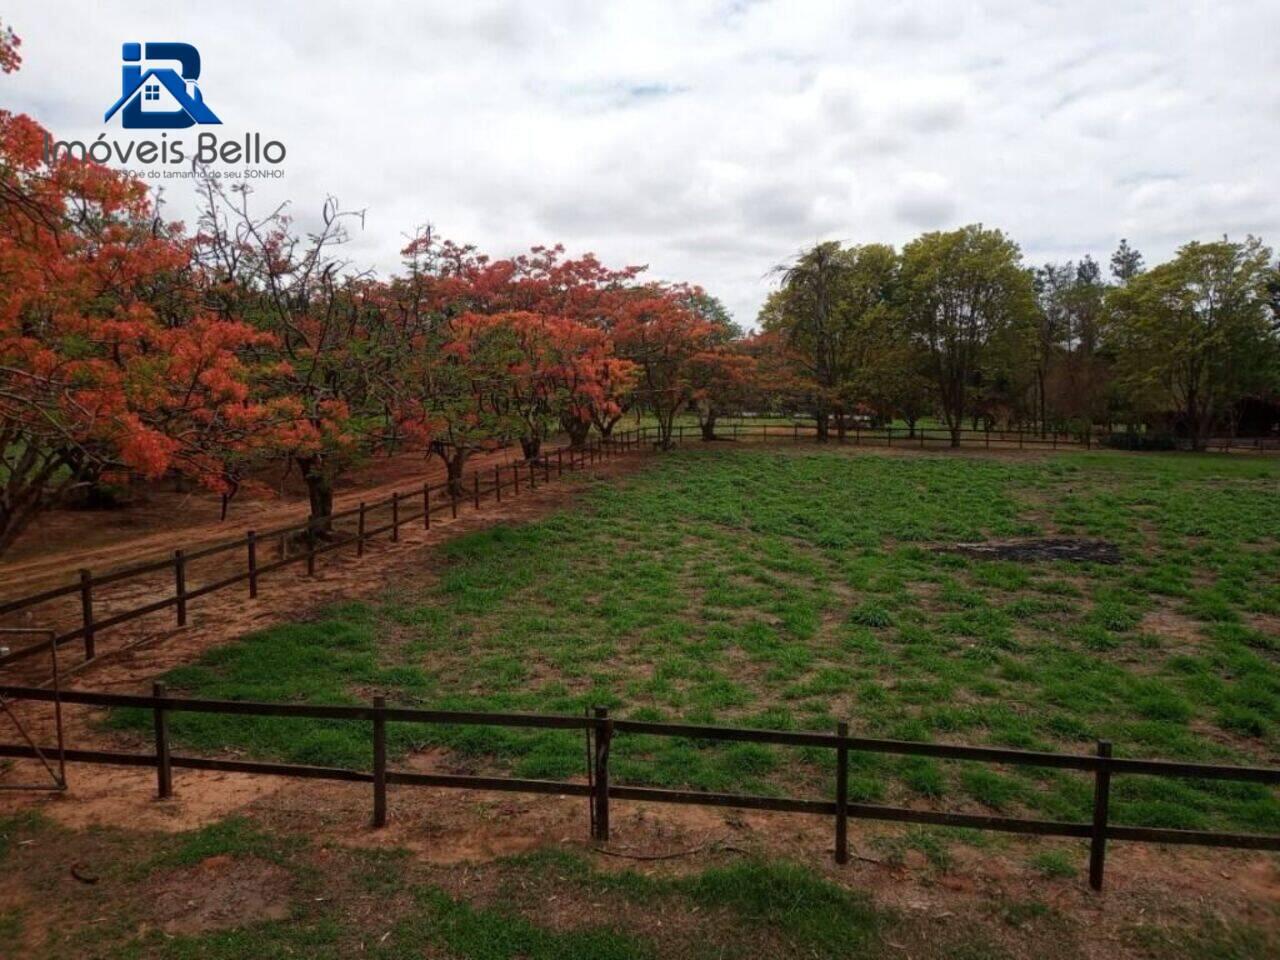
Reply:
x=788, y=590
x=600, y=729
x=789, y=628
x=171, y=583
x=304, y=542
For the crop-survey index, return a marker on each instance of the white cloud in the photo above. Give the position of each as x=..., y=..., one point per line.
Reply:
x=925, y=200
x=712, y=139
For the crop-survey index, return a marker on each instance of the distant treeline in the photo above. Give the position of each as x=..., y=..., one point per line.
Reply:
x=957, y=325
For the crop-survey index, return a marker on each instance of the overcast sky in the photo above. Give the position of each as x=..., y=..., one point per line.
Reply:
x=712, y=140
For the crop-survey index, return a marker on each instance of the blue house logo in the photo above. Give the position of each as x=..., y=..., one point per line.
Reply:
x=160, y=97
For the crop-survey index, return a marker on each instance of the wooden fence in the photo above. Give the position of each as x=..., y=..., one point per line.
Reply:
x=920, y=437
x=317, y=537
x=422, y=503
x=600, y=730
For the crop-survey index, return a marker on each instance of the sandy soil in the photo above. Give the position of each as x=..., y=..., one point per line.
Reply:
x=464, y=831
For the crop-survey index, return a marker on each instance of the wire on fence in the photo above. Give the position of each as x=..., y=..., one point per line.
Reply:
x=602, y=729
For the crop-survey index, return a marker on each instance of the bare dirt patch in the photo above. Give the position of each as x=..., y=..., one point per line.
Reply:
x=102, y=796
x=219, y=893
x=1071, y=549
x=1171, y=625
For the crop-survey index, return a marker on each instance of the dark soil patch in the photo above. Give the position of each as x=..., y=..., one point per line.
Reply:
x=1074, y=549
x=221, y=893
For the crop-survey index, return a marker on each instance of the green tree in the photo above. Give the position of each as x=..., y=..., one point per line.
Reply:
x=1054, y=284
x=1126, y=262
x=1197, y=333
x=969, y=303
x=832, y=307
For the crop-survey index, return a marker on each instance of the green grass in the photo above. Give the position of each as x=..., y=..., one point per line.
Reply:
x=1055, y=863
x=790, y=589
x=812, y=915
x=552, y=903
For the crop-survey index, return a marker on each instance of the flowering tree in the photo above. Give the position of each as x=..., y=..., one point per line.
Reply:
x=660, y=331
x=577, y=303
x=451, y=384
x=590, y=379
x=330, y=373
x=721, y=380
x=107, y=359
x=10, y=59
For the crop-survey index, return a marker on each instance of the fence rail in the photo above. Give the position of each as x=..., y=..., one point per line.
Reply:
x=859, y=435
x=318, y=537
x=601, y=729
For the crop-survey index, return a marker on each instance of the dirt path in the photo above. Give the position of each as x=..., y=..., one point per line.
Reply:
x=99, y=540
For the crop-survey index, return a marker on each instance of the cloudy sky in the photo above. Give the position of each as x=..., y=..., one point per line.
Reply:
x=711, y=140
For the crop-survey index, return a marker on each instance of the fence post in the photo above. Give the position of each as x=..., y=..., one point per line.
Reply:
x=180, y=585
x=842, y=794
x=515, y=478
x=395, y=517
x=546, y=469
x=426, y=506
x=1101, y=799
x=379, y=762
x=533, y=476
x=475, y=485
x=86, y=612
x=889, y=435
x=497, y=482
x=360, y=525
x=604, y=736
x=251, y=544
x=560, y=462
x=164, y=770
x=311, y=548
x=453, y=498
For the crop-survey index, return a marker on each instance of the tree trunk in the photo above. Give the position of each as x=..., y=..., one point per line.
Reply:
x=666, y=424
x=320, y=495
x=453, y=463
x=319, y=492
x=16, y=513
x=605, y=425
x=911, y=427
x=1044, y=407
x=824, y=426
x=709, y=427
x=842, y=427
x=578, y=431
x=531, y=447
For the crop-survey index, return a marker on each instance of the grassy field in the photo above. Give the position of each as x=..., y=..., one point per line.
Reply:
x=790, y=589
x=239, y=888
